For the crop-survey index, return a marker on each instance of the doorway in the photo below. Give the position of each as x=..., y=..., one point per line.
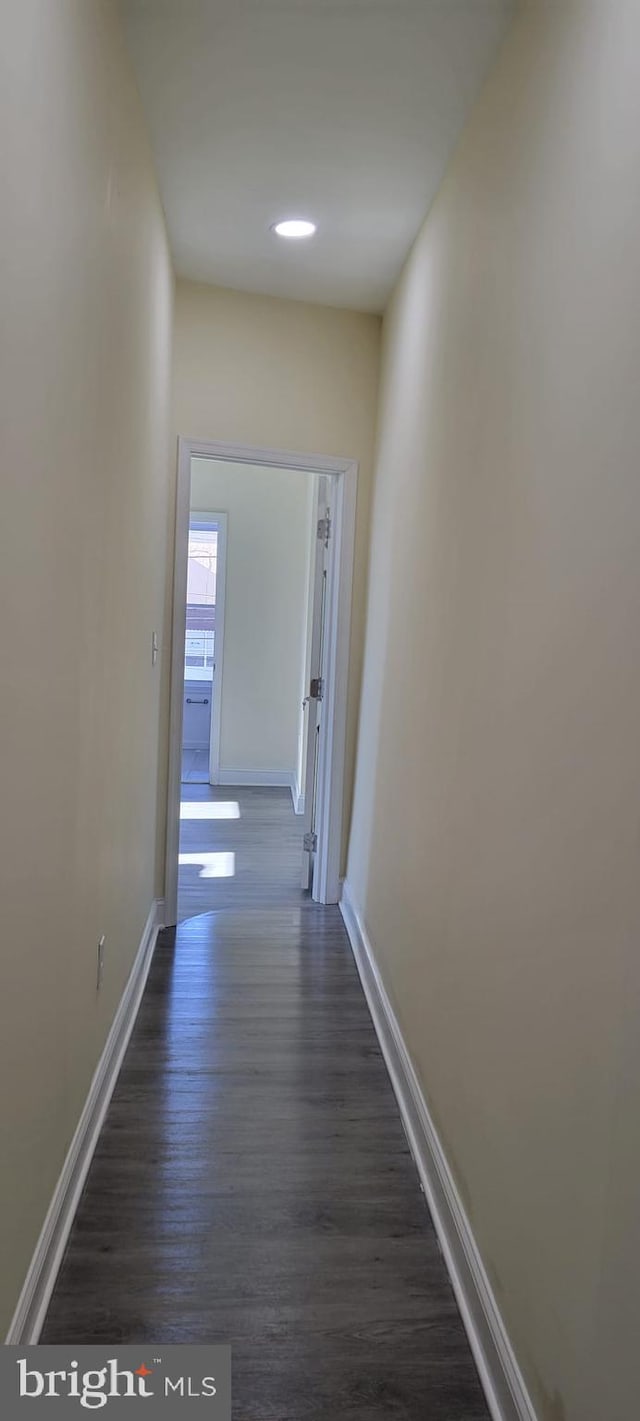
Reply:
x=310, y=780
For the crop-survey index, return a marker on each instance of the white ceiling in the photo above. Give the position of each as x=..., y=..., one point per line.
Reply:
x=344, y=111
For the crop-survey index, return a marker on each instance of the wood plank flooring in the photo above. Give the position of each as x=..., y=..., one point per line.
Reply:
x=252, y=1184
x=265, y=842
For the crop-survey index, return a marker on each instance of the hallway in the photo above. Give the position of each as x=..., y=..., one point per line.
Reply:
x=253, y=1184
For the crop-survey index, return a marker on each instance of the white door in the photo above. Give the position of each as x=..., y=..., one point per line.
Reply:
x=315, y=690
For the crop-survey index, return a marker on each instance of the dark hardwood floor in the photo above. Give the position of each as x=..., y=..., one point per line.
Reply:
x=252, y=1184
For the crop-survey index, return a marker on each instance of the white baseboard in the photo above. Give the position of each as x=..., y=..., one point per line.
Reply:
x=297, y=796
x=502, y=1380
x=282, y=778
x=34, y=1299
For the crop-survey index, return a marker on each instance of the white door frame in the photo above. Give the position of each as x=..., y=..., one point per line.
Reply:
x=221, y=521
x=338, y=630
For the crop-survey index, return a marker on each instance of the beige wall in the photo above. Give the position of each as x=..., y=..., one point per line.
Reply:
x=260, y=371
x=85, y=312
x=265, y=609
x=495, y=848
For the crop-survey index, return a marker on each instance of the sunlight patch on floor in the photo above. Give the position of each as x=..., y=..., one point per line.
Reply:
x=210, y=809
x=214, y=865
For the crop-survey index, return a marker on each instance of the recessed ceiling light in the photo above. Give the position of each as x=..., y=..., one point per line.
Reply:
x=294, y=227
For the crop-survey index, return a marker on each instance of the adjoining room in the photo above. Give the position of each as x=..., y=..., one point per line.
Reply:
x=252, y=591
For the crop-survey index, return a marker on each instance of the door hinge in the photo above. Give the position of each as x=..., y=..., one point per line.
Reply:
x=310, y=843
x=324, y=528
x=316, y=688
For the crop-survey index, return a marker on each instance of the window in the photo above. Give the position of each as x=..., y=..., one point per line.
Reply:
x=202, y=569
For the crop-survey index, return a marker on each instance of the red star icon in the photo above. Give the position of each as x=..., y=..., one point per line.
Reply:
x=143, y=1371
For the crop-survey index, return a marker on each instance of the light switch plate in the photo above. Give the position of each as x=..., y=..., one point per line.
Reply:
x=100, y=962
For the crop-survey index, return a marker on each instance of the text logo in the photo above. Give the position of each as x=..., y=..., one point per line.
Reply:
x=95, y=1378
